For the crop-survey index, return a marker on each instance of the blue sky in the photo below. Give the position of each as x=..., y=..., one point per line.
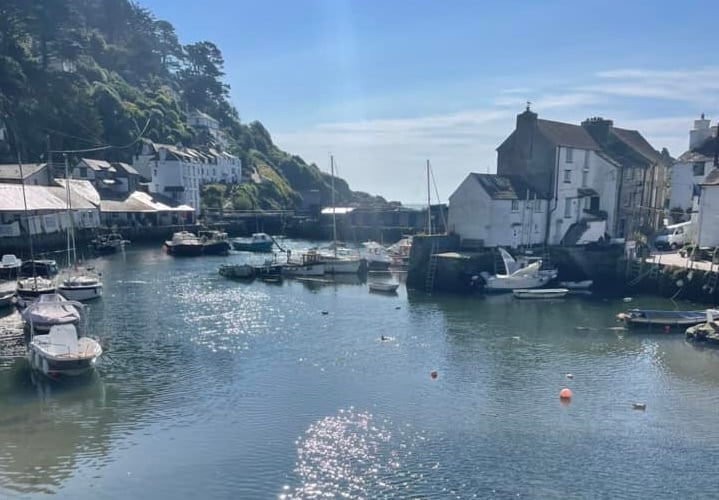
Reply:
x=385, y=85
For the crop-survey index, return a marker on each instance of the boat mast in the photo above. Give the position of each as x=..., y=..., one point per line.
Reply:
x=71, y=252
x=334, y=216
x=429, y=205
x=27, y=218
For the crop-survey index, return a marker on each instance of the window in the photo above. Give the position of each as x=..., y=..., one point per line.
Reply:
x=569, y=155
x=585, y=177
x=537, y=205
x=586, y=158
x=515, y=205
x=567, y=176
x=698, y=168
x=567, y=208
x=83, y=172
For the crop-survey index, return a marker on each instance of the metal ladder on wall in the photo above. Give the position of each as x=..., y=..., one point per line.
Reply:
x=431, y=270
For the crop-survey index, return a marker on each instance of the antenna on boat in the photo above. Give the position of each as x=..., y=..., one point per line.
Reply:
x=334, y=210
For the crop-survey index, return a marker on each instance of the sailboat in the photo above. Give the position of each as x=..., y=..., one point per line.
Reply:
x=338, y=261
x=81, y=284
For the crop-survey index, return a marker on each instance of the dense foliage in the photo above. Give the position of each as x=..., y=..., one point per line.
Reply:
x=83, y=74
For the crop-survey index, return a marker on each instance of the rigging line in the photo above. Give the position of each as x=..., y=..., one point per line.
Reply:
x=109, y=146
x=436, y=192
x=58, y=132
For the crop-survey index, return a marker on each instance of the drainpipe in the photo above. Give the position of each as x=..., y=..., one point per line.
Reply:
x=550, y=211
x=618, y=205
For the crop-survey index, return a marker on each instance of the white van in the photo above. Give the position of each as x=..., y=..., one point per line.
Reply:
x=674, y=236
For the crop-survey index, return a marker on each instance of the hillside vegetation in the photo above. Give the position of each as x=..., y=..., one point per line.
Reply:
x=82, y=75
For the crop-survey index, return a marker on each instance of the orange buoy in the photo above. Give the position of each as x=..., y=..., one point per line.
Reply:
x=565, y=394
x=433, y=374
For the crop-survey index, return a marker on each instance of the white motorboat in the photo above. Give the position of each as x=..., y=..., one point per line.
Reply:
x=541, y=293
x=399, y=251
x=184, y=244
x=9, y=266
x=32, y=288
x=62, y=352
x=7, y=294
x=577, y=285
x=377, y=257
x=516, y=277
x=51, y=310
x=383, y=287
x=81, y=287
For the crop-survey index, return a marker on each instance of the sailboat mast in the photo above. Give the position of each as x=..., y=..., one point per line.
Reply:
x=334, y=215
x=27, y=217
x=429, y=205
x=71, y=222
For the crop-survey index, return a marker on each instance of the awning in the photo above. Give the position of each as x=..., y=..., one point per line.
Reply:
x=584, y=192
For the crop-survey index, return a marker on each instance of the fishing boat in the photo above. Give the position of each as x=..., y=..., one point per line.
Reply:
x=515, y=277
x=383, y=287
x=50, y=310
x=9, y=266
x=184, y=244
x=108, y=243
x=61, y=352
x=258, y=243
x=541, y=293
x=214, y=242
x=237, y=271
x=649, y=317
x=577, y=285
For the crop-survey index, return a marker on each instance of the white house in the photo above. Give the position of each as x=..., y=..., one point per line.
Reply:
x=585, y=194
x=200, y=121
x=495, y=210
x=708, y=216
x=692, y=168
x=178, y=172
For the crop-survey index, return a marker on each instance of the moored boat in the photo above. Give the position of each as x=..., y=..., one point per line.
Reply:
x=577, y=285
x=61, y=352
x=649, y=317
x=377, y=257
x=258, y=242
x=237, y=271
x=9, y=267
x=51, y=310
x=383, y=287
x=108, y=243
x=32, y=288
x=704, y=332
x=540, y=293
x=7, y=294
x=214, y=242
x=81, y=287
x=184, y=244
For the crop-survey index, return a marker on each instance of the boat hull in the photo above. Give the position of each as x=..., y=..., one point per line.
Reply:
x=348, y=266
x=7, y=299
x=383, y=287
x=304, y=270
x=216, y=248
x=242, y=271
x=648, y=318
x=183, y=250
x=254, y=246
x=496, y=284
x=81, y=293
x=54, y=366
x=539, y=293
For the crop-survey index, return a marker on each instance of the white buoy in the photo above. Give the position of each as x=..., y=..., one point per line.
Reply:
x=570, y=376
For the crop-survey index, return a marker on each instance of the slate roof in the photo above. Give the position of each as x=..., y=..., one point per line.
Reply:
x=638, y=143
x=11, y=171
x=98, y=165
x=566, y=134
x=126, y=168
x=703, y=152
x=505, y=187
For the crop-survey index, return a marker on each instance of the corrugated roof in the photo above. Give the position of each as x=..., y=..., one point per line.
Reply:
x=566, y=134
x=77, y=202
x=141, y=202
x=38, y=198
x=505, y=187
x=12, y=170
x=81, y=188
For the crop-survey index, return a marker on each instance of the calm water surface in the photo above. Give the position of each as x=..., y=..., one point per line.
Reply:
x=218, y=389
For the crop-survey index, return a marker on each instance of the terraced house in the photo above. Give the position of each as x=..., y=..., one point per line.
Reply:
x=560, y=183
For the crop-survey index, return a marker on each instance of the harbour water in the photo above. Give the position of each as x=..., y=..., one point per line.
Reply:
x=219, y=389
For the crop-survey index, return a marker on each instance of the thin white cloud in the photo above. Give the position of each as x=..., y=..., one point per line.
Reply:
x=386, y=156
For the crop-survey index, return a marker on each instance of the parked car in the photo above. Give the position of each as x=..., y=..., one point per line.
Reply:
x=673, y=236
x=705, y=253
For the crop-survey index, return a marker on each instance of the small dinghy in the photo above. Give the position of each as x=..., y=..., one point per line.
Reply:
x=541, y=293
x=648, y=317
x=383, y=287
x=61, y=352
x=51, y=310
